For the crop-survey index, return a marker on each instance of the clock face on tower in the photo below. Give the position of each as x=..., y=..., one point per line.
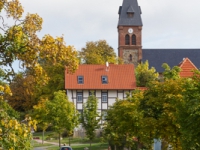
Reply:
x=130, y=30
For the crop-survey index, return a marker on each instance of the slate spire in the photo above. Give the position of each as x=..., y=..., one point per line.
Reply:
x=130, y=14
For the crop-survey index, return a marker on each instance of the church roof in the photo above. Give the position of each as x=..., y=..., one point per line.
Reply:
x=173, y=57
x=130, y=9
x=130, y=6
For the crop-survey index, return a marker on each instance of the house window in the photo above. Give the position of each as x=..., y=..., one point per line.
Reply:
x=127, y=40
x=104, y=97
x=104, y=79
x=79, y=97
x=92, y=93
x=80, y=80
x=133, y=39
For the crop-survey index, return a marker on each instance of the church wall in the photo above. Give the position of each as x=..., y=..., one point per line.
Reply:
x=124, y=51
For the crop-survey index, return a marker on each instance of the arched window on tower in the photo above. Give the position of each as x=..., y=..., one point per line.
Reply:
x=133, y=39
x=130, y=57
x=127, y=40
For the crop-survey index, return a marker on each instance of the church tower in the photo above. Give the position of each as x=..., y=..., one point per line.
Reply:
x=130, y=32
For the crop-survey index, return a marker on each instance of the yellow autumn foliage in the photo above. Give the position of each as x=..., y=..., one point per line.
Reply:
x=12, y=133
x=14, y=8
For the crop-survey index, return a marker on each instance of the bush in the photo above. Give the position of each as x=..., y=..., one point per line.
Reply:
x=49, y=136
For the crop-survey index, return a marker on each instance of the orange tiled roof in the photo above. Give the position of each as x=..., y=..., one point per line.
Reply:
x=120, y=77
x=186, y=68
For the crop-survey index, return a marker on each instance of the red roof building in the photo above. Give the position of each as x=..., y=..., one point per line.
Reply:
x=119, y=77
x=186, y=68
x=106, y=82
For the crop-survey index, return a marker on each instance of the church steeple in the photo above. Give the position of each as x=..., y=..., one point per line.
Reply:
x=129, y=29
x=130, y=7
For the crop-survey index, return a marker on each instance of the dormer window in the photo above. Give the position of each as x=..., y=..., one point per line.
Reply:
x=104, y=79
x=130, y=12
x=80, y=80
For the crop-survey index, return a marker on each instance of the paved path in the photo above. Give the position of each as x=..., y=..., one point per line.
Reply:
x=44, y=147
x=53, y=144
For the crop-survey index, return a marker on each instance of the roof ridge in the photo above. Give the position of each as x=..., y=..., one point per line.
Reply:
x=182, y=62
x=187, y=59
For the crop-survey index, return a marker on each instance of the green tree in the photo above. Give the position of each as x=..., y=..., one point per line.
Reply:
x=171, y=73
x=19, y=41
x=90, y=118
x=47, y=76
x=188, y=113
x=160, y=105
x=61, y=113
x=40, y=115
x=98, y=52
x=124, y=122
x=23, y=96
x=2, y=77
x=39, y=58
x=144, y=75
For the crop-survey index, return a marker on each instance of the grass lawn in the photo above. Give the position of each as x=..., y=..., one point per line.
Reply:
x=39, y=134
x=76, y=143
x=95, y=146
x=36, y=144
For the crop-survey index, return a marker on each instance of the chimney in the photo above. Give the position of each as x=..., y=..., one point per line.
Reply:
x=107, y=66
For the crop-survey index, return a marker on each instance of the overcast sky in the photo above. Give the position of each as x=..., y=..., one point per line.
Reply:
x=166, y=23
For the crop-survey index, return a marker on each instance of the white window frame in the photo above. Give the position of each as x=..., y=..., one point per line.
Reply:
x=104, y=97
x=104, y=79
x=80, y=79
x=79, y=97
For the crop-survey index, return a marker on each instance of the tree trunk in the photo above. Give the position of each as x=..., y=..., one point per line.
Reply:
x=69, y=141
x=164, y=145
x=59, y=140
x=42, y=136
x=90, y=143
x=138, y=144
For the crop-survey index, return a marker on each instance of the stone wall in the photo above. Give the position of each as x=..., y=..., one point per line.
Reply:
x=126, y=56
